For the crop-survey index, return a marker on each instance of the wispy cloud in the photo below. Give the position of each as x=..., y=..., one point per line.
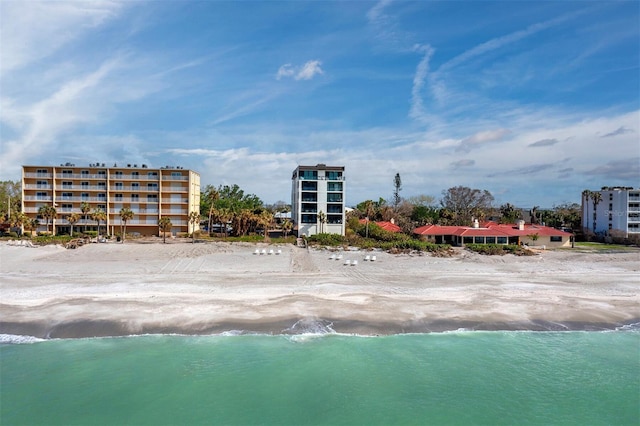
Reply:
x=626, y=169
x=543, y=142
x=462, y=163
x=481, y=138
x=418, y=111
x=305, y=72
x=527, y=170
x=37, y=29
x=619, y=131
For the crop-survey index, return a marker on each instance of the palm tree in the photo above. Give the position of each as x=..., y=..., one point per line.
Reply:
x=287, y=226
x=194, y=217
x=99, y=215
x=31, y=225
x=322, y=219
x=586, y=195
x=265, y=218
x=165, y=225
x=85, y=208
x=213, y=195
x=72, y=219
x=47, y=212
x=126, y=214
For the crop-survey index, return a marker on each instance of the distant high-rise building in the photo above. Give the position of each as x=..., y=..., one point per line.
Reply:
x=317, y=200
x=150, y=193
x=616, y=209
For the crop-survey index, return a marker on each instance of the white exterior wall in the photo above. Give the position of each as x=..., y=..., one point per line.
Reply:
x=619, y=210
x=321, y=204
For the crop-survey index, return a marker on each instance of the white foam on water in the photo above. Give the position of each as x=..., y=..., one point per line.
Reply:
x=19, y=339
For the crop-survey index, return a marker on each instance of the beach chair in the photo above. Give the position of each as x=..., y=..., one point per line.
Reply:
x=271, y=251
x=367, y=257
x=332, y=257
x=373, y=258
x=347, y=262
x=354, y=263
x=257, y=251
x=339, y=257
x=279, y=252
x=264, y=251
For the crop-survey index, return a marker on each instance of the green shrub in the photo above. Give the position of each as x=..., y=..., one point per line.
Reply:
x=91, y=234
x=498, y=249
x=13, y=234
x=327, y=239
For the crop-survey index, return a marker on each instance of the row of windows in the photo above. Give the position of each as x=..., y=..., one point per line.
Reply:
x=312, y=218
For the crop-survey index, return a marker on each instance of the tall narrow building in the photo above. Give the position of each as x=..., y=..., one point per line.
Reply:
x=615, y=211
x=317, y=200
x=151, y=193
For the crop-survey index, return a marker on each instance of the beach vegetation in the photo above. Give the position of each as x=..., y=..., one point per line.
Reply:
x=73, y=218
x=126, y=214
x=85, y=208
x=499, y=249
x=165, y=226
x=48, y=213
x=99, y=216
x=465, y=204
x=10, y=198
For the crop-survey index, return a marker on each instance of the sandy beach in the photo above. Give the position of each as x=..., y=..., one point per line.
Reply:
x=113, y=289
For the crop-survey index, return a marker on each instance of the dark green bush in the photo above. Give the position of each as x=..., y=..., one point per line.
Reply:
x=327, y=239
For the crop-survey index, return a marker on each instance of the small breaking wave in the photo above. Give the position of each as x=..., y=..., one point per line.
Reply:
x=14, y=339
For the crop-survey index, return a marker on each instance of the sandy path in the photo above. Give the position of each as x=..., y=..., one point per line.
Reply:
x=132, y=288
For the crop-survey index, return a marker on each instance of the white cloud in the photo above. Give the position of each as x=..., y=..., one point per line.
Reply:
x=481, y=138
x=305, y=72
x=32, y=30
x=417, y=108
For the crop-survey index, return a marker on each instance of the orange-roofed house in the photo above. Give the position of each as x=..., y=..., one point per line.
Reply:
x=493, y=233
x=387, y=226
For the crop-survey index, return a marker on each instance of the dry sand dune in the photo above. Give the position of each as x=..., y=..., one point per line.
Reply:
x=134, y=288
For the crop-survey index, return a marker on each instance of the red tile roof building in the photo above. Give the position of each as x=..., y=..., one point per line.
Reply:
x=387, y=226
x=494, y=233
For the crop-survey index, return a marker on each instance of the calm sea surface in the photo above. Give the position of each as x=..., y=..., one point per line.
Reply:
x=464, y=378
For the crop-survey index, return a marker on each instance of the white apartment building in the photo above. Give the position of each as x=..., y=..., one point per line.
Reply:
x=151, y=193
x=317, y=200
x=618, y=210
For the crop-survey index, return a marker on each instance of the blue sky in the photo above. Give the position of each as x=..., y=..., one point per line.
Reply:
x=532, y=100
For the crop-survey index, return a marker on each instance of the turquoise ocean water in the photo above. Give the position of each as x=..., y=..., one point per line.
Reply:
x=463, y=378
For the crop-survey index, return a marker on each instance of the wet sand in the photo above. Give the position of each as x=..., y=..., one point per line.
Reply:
x=116, y=289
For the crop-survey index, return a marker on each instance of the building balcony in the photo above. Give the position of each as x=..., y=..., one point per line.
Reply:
x=38, y=198
x=38, y=175
x=176, y=178
x=133, y=188
x=134, y=177
x=38, y=186
x=174, y=201
x=168, y=212
x=175, y=189
x=80, y=176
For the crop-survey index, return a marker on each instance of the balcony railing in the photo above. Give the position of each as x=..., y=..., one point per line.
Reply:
x=38, y=186
x=37, y=198
x=133, y=177
x=134, y=188
x=182, y=178
x=174, y=201
x=80, y=176
x=175, y=189
x=39, y=175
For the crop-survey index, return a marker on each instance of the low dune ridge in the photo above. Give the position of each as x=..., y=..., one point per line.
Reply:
x=113, y=289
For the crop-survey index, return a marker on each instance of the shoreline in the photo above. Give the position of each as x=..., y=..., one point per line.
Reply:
x=112, y=289
x=102, y=329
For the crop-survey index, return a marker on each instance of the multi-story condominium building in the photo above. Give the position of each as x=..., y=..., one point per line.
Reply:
x=149, y=192
x=317, y=200
x=617, y=209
